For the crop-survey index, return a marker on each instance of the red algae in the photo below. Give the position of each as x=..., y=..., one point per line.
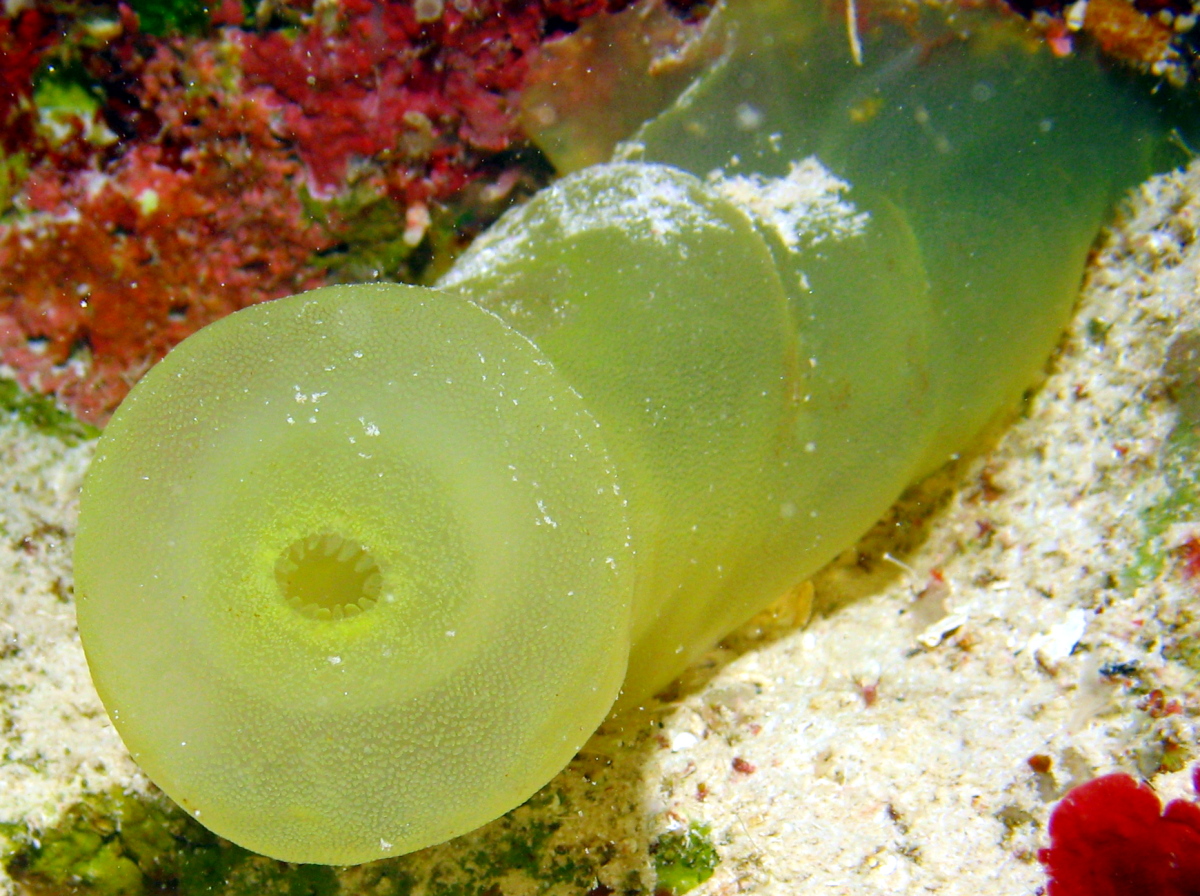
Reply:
x=1188, y=555
x=109, y=269
x=424, y=98
x=24, y=39
x=244, y=164
x=1127, y=33
x=370, y=86
x=1112, y=837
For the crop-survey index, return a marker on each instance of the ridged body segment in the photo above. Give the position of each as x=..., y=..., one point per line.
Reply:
x=360, y=569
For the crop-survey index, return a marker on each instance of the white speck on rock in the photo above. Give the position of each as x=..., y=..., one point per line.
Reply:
x=1059, y=642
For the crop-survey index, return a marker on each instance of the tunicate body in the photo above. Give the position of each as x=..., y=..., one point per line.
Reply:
x=361, y=569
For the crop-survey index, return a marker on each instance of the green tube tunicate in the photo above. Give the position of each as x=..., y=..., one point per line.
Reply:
x=360, y=570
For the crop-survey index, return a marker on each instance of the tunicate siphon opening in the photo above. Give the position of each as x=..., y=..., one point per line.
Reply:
x=328, y=577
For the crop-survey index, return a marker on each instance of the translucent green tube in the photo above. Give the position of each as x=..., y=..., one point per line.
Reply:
x=361, y=569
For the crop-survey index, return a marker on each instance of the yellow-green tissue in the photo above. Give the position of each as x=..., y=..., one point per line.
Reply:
x=342, y=559
x=360, y=569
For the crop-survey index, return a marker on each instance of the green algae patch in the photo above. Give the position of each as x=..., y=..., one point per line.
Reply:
x=1179, y=460
x=1183, y=647
x=40, y=412
x=110, y=844
x=1179, y=502
x=14, y=168
x=526, y=850
x=374, y=239
x=260, y=875
x=684, y=859
x=370, y=233
x=162, y=17
x=70, y=103
x=114, y=844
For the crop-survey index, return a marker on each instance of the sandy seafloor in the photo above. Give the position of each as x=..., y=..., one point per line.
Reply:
x=881, y=746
